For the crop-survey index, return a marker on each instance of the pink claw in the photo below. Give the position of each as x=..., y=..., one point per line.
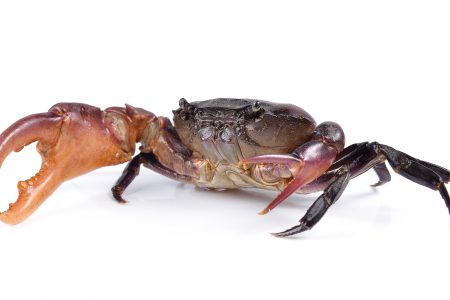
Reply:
x=312, y=159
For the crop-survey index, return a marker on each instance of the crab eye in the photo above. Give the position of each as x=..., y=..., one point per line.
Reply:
x=183, y=104
x=255, y=110
x=256, y=106
x=184, y=110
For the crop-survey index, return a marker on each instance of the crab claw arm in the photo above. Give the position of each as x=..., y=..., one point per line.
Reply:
x=23, y=132
x=43, y=128
x=72, y=139
x=305, y=163
x=317, y=157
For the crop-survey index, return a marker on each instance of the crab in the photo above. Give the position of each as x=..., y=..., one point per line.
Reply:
x=215, y=144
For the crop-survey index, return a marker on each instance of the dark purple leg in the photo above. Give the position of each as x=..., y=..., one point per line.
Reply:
x=165, y=154
x=418, y=171
x=132, y=170
x=352, y=161
x=321, y=205
x=383, y=174
x=372, y=155
x=128, y=175
x=357, y=159
x=365, y=156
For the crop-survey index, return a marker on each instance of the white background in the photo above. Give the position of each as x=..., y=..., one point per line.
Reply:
x=379, y=68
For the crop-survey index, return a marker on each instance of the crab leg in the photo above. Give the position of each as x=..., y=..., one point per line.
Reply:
x=150, y=161
x=165, y=154
x=357, y=159
x=72, y=139
x=418, y=171
x=383, y=174
x=318, y=209
x=362, y=157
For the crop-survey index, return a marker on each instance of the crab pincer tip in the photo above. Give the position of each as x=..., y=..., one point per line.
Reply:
x=264, y=211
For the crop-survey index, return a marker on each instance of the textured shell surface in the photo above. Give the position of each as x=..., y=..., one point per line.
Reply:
x=228, y=129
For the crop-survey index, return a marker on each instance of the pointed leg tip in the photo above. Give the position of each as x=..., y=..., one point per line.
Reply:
x=292, y=231
x=122, y=201
x=117, y=195
x=279, y=234
x=378, y=184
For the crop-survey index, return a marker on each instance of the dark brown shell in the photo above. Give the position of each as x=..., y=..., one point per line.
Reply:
x=233, y=129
